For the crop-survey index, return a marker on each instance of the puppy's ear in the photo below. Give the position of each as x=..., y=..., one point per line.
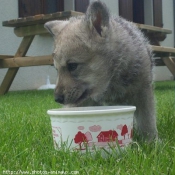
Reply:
x=55, y=27
x=98, y=16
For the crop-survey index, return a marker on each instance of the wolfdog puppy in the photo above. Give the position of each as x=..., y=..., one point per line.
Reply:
x=103, y=60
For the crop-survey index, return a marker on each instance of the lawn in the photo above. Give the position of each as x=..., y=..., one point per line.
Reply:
x=26, y=145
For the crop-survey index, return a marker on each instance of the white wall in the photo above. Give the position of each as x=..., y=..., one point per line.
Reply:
x=148, y=12
x=168, y=22
x=8, y=41
x=163, y=73
x=69, y=5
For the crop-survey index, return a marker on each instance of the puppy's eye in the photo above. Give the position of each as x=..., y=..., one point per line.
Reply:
x=72, y=66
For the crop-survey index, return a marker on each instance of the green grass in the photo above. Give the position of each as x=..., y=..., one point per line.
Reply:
x=26, y=140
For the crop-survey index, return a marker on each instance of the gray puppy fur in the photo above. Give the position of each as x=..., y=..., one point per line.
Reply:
x=103, y=60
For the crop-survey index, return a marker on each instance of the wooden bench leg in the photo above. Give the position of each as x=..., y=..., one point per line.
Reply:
x=11, y=73
x=170, y=63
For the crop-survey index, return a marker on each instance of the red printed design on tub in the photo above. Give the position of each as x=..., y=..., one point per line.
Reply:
x=123, y=135
x=56, y=132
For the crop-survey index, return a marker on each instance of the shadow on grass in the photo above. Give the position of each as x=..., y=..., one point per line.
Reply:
x=164, y=86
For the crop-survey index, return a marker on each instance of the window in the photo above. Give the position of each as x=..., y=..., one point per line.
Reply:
x=126, y=9
x=81, y=5
x=138, y=11
x=133, y=10
x=34, y=7
x=157, y=11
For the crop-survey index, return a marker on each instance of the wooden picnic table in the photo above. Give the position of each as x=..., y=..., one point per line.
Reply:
x=34, y=25
x=27, y=28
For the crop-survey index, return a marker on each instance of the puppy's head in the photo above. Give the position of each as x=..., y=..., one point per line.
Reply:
x=80, y=55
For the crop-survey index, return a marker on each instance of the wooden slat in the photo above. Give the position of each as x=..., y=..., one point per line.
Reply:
x=30, y=30
x=39, y=29
x=40, y=19
x=11, y=73
x=163, y=51
x=6, y=56
x=153, y=28
x=25, y=62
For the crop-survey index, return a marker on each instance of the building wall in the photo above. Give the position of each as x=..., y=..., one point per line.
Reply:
x=34, y=77
x=148, y=12
x=162, y=72
x=29, y=77
x=69, y=5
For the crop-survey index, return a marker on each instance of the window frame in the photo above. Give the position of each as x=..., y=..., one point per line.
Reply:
x=30, y=8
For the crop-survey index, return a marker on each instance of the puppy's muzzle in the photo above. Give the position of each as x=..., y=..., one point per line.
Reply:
x=59, y=99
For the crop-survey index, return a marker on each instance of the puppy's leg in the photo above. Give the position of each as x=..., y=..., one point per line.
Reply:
x=145, y=114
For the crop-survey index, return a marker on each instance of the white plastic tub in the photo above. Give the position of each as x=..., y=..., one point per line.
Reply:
x=85, y=127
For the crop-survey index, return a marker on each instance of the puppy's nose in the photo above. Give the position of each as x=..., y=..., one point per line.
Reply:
x=59, y=99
